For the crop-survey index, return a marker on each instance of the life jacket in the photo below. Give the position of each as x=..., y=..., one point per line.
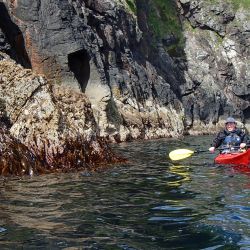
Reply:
x=232, y=140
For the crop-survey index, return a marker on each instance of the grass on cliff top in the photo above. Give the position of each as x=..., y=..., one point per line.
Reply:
x=164, y=20
x=236, y=3
x=244, y=3
x=241, y=3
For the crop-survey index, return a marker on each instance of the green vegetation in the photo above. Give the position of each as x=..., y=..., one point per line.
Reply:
x=132, y=5
x=236, y=3
x=164, y=21
x=241, y=3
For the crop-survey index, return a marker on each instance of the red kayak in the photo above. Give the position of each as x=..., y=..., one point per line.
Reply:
x=234, y=158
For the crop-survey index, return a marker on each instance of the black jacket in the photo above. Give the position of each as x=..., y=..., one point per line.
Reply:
x=222, y=135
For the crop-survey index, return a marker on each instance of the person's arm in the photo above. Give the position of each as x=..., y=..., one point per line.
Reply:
x=217, y=141
x=244, y=139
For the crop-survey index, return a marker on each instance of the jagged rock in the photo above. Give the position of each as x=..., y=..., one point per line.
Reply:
x=55, y=123
x=217, y=58
x=4, y=120
x=209, y=15
x=16, y=159
x=4, y=45
x=92, y=46
x=137, y=90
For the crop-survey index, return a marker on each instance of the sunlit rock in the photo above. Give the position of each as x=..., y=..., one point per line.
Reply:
x=56, y=124
x=150, y=69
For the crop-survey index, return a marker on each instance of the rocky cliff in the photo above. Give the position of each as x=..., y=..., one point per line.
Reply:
x=217, y=61
x=149, y=68
x=44, y=127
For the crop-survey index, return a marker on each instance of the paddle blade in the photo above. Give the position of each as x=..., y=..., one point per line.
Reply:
x=180, y=154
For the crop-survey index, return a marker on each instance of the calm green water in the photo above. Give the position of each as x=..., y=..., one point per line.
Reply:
x=149, y=203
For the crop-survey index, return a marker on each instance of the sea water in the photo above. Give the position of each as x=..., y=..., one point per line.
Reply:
x=147, y=203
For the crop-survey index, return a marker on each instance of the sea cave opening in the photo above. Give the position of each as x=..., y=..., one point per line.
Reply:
x=80, y=66
x=15, y=38
x=246, y=113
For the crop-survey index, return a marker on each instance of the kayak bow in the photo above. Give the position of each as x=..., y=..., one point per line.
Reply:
x=234, y=158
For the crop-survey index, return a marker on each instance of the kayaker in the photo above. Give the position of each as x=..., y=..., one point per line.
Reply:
x=230, y=136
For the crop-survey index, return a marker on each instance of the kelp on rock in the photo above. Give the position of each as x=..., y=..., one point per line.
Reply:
x=16, y=159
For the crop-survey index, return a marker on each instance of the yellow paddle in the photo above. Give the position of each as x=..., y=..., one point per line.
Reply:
x=180, y=154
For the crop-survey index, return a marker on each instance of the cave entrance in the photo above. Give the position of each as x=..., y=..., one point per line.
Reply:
x=246, y=113
x=79, y=65
x=15, y=38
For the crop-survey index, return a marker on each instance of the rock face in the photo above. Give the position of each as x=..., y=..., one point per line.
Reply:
x=92, y=46
x=4, y=46
x=56, y=124
x=16, y=159
x=108, y=50
x=217, y=62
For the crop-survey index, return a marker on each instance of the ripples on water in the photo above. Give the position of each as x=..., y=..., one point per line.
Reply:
x=149, y=203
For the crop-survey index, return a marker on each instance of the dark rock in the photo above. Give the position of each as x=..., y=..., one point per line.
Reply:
x=4, y=45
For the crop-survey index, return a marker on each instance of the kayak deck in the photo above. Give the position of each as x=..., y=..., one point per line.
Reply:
x=234, y=158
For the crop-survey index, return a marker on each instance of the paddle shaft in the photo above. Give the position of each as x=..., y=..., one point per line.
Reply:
x=233, y=147
x=202, y=151
x=221, y=148
x=180, y=154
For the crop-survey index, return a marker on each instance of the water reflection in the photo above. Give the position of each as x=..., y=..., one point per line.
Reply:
x=149, y=203
x=181, y=173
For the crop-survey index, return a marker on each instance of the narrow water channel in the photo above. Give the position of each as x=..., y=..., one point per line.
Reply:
x=148, y=203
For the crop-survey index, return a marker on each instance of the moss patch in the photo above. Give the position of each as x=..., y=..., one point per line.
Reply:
x=132, y=5
x=241, y=3
x=164, y=21
x=236, y=3
x=129, y=5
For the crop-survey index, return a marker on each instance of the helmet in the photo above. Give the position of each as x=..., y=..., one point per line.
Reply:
x=230, y=119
